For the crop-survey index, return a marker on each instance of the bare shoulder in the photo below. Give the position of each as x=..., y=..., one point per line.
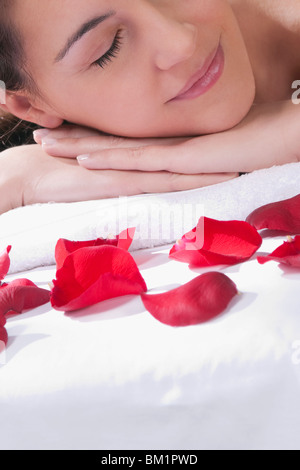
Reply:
x=285, y=12
x=271, y=30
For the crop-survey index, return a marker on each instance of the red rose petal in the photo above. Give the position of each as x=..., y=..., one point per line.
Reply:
x=125, y=238
x=2, y=322
x=283, y=216
x=20, y=295
x=225, y=242
x=3, y=332
x=16, y=296
x=93, y=274
x=4, y=263
x=198, y=301
x=65, y=247
x=3, y=337
x=287, y=253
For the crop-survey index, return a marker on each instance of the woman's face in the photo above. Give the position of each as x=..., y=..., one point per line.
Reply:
x=138, y=68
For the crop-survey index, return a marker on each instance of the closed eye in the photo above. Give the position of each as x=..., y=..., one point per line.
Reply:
x=111, y=53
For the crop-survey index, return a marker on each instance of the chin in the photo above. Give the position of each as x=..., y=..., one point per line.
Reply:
x=229, y=114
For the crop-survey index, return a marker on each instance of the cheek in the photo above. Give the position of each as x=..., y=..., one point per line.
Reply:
x=126, y=103
x=124, y=109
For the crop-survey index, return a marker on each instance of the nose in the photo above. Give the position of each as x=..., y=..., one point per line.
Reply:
x=175, y=42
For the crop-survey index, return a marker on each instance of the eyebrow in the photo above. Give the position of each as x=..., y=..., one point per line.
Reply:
x=82, y=30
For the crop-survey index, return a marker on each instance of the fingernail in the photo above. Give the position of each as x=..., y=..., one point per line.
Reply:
x=48, y=141
x=82, y=158
x=41, y=132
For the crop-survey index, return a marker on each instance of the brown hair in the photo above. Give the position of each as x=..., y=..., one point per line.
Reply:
x=13, y=74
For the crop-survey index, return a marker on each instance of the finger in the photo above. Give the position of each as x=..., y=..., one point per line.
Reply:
x=206, y=154
x=72, y=146
x=65, y=131
x=145, y=159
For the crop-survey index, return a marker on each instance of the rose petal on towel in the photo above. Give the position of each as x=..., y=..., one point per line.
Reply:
x=125, y=238
x=282, y=216
x=287, y=253
x=3, y=332
x=65, y=247
x=215, y=242
x=198, y=301
x=20, y=295
x=93, y=274
x=2, y=321
x=3, y=338
x=4, y=263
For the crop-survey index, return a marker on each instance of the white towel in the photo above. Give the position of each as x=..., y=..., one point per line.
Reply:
x=159, y=219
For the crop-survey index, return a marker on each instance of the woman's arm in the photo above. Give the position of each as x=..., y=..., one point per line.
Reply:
x=28, y=176
x=11, y=190
x=268, y=136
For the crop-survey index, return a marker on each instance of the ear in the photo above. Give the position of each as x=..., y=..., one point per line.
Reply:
x=20, y=106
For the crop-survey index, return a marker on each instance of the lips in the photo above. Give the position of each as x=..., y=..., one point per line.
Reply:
x=205, y=78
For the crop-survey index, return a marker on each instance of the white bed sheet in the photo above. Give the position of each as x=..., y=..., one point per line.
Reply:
x=112, y=377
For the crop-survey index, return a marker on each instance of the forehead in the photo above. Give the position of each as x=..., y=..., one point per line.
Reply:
x=45, y=25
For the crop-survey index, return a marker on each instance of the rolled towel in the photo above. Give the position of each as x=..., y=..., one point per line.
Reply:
x=160, y=219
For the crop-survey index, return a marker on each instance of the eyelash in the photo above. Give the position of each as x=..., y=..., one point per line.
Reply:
x=111, y=53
